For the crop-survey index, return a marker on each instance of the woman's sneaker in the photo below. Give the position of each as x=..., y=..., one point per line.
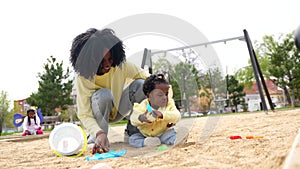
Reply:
x=152, y=141
x=90, y=141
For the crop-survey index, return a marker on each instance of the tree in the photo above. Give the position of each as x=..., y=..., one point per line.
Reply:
x=246, y=76
x=235, y=91
x=280, y=60
x=206, y=90
x=187, y=80
x=213, y=88
x=162, y=65
x=217, y=83
x=284, y=62
x=54, y=90
x=4, y=106
x=183, y=77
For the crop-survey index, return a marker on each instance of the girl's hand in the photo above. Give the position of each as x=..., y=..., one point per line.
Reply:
x=158, y=114
x=143, y=117
x=38, y=128
x=155, y=113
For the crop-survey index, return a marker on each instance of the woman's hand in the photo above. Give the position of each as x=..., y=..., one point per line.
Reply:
x=101, y=143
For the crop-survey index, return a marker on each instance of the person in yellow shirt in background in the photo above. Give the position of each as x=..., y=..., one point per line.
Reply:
x=99, y=61
x=156, y=116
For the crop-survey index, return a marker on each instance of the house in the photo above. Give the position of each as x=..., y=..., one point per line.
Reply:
x=252, y=97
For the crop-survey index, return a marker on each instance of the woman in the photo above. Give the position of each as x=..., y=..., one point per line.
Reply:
x=102, y=74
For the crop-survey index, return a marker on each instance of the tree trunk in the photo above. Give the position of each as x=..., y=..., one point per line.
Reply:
x=293, y=97
x=209, y=104
x=1, y=122
x=52, y=112
x=287, y=94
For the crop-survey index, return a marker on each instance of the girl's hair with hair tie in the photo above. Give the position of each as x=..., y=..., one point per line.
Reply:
x=29, y=121
x=153, y=80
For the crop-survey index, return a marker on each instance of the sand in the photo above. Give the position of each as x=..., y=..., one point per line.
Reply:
x=208, y=146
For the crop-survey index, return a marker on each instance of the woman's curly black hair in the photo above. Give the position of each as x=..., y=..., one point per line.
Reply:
x=153, y=80
x=87, y=51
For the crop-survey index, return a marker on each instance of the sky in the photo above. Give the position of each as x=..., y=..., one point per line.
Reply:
x=33, y=30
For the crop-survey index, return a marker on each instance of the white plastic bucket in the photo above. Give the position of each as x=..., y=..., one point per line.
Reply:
x=68, y=139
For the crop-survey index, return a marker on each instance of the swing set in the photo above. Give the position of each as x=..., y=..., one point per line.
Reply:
x=261, y=84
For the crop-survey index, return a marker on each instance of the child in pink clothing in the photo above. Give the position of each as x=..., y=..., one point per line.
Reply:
x=31, y=124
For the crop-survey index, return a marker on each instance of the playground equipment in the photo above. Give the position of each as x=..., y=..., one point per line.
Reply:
x=147, y=60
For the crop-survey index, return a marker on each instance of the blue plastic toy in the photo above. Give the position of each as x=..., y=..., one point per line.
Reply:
x=149, y=109
x=110, y=154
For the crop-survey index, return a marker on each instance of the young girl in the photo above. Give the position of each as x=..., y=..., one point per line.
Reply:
x=155, y=116
x=31, y=124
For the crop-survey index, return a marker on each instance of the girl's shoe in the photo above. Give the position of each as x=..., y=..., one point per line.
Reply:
x=39, y=132
x=181, y=135
x=152, y=141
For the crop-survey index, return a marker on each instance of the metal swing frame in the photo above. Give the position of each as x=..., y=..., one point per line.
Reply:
x=261, y=84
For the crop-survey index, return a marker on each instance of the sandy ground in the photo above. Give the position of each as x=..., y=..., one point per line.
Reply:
x=208, y=146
